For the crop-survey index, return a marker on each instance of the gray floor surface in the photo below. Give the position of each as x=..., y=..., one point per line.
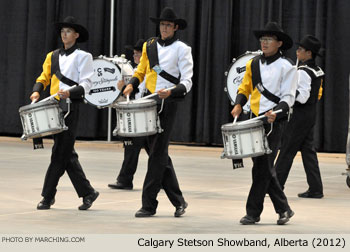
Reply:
x=215, y=192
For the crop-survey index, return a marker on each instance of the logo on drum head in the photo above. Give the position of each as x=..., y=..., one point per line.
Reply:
x=240, y=69
x=103, y=101
x=110, y=70
x=99, y=71
x=99, y=90
x=126, y=78
x=238, y=80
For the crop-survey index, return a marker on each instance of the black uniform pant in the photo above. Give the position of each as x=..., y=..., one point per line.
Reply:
x=132, y=148
x=265, y=179
x=64, y=158
x=160, y=172
x=299, y=136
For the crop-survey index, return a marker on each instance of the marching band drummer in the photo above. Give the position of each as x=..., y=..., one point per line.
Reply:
x=165, y=62
x=132, y=146
x=63, y=68
x=270, y=80
x=300, y=129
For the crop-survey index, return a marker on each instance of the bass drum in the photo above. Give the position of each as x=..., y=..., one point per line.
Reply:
x=107, y=73
x=234, y=76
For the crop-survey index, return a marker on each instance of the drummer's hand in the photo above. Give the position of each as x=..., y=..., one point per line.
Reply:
x=163, y=94
x=236, y=111
x=35, y=96
x=271, y=116
x=63, y=94
x=128, y=90
x=120, y=84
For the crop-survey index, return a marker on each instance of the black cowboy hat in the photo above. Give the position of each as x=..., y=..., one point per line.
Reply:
x=272, y=28
x=137, y=46
x=71, y=22
x=310, y=43
x=168, y=14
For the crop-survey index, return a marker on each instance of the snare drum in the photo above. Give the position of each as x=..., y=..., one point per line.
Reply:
x=136, y=118
x=107, y=73
x=244, y=139
x=234, y=76
x=41, y=119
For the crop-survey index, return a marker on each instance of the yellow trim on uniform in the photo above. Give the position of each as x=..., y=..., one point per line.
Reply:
x=246, y=88
x=46, y=79
x=144, y=71
x=320, y=90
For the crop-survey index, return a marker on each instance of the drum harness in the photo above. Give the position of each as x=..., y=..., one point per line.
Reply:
x=55, y=68
x=256, y=79
x=152, y=54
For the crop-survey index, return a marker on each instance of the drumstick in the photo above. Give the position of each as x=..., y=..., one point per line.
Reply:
x=52, y=96
x=154, y=94
x=127, y=99
x=34, y=101
x=123, y=58
x=235, y=120
x=262, y=116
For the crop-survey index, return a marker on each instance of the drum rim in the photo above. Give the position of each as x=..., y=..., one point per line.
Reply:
x=53, y=131
x=114, y=63
x=147, y=133
x=241, y=125
x=38, y=105
x=130, y=105
x=256, y=154
x=258, y=52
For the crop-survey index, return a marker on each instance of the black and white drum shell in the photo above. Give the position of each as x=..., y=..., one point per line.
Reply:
x=234, y=76
x=136, y=118
x=244, y=139
x=41, y=119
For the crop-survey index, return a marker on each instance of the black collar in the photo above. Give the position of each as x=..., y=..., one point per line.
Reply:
x=270, y=59
x=310, y=62
x=167, y=41
x=68, y=51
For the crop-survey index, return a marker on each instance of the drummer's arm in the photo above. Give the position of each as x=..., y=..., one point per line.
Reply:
x=134, y=82
x=35, y=96
x=37, y=88
x=43, y=80
x=244, y=90
x=139, y=74
x=236, y=111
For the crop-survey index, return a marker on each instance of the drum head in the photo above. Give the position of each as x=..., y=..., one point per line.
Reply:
x=104, y=90
x=38, y=105
x=234, y=76
x=242, y=125
x=136, y=103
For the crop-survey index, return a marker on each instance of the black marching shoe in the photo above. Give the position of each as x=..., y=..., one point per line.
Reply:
x=45, y=204
x=284, y=217
x=88, y=200
x=308, y=194
x=118, y=185
x=249, y=220
x=144, y=213
x=180, y=210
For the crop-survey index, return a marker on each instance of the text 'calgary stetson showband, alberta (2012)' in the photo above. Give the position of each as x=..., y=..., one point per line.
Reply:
x=242, y=242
